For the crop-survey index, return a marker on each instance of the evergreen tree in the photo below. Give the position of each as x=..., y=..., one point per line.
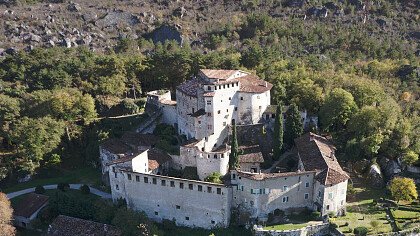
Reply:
x=234, y=153
x=293, y=125
x=278, y=132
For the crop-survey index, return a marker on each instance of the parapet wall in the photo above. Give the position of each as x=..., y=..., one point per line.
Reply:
x=188, y=202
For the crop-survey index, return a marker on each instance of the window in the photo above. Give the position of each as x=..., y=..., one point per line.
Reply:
x=178, y=207
x=163, y=182
x=227, y=110
x=156, y=213
x=115, y=174
x=137, y=178
x=146, y=180
x=285, y=188
x=215, y=156
x=251, y=202
x=218, y=112
x=307, y=184
x=233, y=176
x=342, y=202
x=193, y=110
x=117, y=187
x=154, y=181
x=242, y=98
x=213, y=222
x=209, y=189
x=306, y=195
x=208, y=126
x=258, y=97
x=220, y=86
x=199, y=122
x=187, y=218
x=319, y=193
x=228, y=85
x=172, y=184
x=330, y=195
x=285, y=199
x=328, y=207
x=208, y=102
x=230, y=98
x=209, y=88
x=259, y=107
x=129, y=176
x=224, y=123
x=181, y=185
x=219, y=191
x=200, y=188
x=191, y=186
x=236, y=108
x=208, y=113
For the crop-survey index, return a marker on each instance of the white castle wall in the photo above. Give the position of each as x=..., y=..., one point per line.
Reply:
x=210, y=162
x=334, y=198
x=261, y=197
x=206, y=205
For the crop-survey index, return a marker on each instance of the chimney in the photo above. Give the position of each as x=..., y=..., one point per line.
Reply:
x=266, y=84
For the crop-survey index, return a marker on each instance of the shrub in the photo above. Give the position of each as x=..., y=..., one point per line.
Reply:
x=278, y=212
x=360, y=231
x=63, y=186
x=350, y=230
x=85, y=189
x=333, y=225
x=316, y=215
x=168, y=224
x=346, y=224
x=39, y=189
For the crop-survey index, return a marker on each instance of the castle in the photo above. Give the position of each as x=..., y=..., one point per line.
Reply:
x=203, y=112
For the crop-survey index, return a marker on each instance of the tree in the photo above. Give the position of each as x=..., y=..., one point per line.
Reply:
x=214, y=177
x=337, y=110
x=293, y=125
x=403, y=189
x=6, y=215
x=410, y=158
x=9, y=111
x=278, y=132
x=34, y=138
x=234, y=152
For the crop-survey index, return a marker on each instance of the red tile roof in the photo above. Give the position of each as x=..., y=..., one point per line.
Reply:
x=218, y=74
x=115, y=146
x=157, y=158
x=137, y=139
x=262, y=176
x=317, y=153
x=70, y=226
x=190, y=87
x=253, y=84
x=30, y=204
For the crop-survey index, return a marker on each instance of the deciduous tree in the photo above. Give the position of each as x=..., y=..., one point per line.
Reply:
x=6, y=215
x=403, y=189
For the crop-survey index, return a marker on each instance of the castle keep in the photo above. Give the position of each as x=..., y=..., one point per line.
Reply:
x=203, y=112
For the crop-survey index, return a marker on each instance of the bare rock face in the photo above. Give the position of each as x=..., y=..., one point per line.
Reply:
x=375, y=176
x=74, y=7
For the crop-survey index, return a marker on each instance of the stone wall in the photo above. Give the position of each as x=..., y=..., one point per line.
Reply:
x=311, y=230
x=261, y=197
x=190, y=203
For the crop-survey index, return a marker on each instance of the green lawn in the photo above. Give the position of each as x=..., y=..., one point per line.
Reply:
x=406, y=214
x=184, y=231
x=82, y=175
x=286, y=226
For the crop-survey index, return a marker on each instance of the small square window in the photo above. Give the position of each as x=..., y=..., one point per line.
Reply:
x=146, y=180
x=156, y=213
x=181, y=185
x=172, y=184
x=187, y=218
x=163, y=182
x=218, y=112
x=328, y=207
x=209, y=189
x=242, y=98
x=200, y=188
x=154, y=181
x=137, y=178
x=178, y=207
x=129, y=176
x=236, y=108
x=191, y=186
x=307, y=184
x=219, y=191
x=230, y=98
x=213, y=222
x=306, y=195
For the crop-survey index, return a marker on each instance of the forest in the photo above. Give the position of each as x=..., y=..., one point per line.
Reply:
x=363, y=84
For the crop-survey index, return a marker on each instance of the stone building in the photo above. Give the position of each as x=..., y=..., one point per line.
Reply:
x=204, y=109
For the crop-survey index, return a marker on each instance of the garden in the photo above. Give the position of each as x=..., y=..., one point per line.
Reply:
x=278, y=220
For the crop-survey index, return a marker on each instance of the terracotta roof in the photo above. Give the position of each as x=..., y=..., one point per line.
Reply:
x=30, y=204
x=250, y=154
x=253, y=84
x=137, y=139
x=263, y=176
x=124, y=159
x=317, y=153
x=190, y=87
x=208, y=94
x=218, y=74
x=157, y=158
x=70, y=226
x=115, y=146
x=168, y=102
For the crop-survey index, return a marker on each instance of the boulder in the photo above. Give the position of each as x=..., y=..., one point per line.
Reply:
x=375, y=176
x=390, y=167
x=74, y=7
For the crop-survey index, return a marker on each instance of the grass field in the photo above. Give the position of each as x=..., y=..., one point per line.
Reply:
x=83, y=175
x=286, y=226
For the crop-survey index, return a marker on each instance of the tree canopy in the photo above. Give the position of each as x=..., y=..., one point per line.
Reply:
x=403, y=189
